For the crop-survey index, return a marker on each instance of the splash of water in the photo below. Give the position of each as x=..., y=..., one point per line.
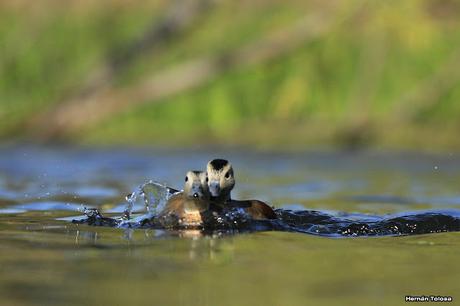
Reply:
x=152, y=195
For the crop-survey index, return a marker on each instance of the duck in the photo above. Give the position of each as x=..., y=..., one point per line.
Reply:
x=221, y=181
x=188, y=206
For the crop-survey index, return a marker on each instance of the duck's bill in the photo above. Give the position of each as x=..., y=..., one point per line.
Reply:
x=214, y=189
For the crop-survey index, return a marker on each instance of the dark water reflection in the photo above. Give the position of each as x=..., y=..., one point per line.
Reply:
x=47, y=261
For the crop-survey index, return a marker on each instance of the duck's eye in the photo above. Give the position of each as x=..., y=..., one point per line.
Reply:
x=186, y=178
x=207, y=179
x=227, y=175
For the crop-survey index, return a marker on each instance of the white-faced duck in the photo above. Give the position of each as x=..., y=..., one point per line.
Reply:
x=187, y=206
x=221, y=180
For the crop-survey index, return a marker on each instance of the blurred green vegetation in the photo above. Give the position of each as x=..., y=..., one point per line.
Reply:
x=384, y=73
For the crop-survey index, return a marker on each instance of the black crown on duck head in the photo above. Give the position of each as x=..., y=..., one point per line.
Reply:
x=218, y=164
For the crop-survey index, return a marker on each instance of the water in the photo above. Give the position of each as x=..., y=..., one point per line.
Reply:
x=46, y=260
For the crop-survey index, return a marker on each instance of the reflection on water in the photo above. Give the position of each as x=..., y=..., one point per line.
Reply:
x=47, y=261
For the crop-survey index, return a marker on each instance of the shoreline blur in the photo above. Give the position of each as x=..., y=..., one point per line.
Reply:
x=273, y=75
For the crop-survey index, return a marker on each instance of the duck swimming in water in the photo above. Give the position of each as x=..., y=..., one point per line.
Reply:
x=189, y=205
x=221, y=180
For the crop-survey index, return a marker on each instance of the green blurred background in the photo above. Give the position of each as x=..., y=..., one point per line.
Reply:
x=263, y=73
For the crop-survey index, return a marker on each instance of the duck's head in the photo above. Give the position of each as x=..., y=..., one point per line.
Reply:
x=221, y=179
x=196, y=185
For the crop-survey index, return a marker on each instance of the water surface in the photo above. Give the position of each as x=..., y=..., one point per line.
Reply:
x=48, y=261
